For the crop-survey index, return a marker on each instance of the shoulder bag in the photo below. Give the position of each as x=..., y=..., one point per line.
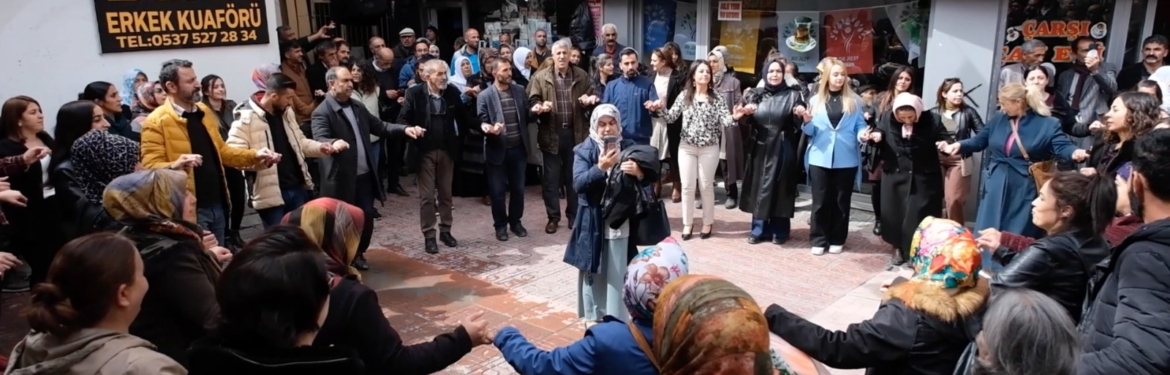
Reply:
x=1041, y=171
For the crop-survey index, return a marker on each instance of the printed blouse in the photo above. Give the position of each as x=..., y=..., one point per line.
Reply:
x=703, y=120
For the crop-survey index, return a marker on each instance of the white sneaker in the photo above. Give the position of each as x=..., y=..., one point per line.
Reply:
x=818, y=250
x=836, y=249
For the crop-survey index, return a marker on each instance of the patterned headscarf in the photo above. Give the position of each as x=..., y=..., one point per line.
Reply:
x=719, y=53
x=334, y=225
x=127, y=90
x=709, y=325
x=146, y=95
x=99, y=157
x=648, y=273
x=154, y=197
x=261, y=74
x=944, y=254
x=599, y=112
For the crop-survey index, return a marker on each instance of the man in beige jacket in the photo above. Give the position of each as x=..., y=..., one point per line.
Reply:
x=271, y=123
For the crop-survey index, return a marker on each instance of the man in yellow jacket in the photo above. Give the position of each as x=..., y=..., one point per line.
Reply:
x=181, y=133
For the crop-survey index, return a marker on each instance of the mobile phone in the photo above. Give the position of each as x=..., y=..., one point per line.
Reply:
x=611, y=142
x=1093, y=50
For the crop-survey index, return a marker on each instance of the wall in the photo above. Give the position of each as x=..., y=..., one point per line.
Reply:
x=621, y=13
x=53, y=52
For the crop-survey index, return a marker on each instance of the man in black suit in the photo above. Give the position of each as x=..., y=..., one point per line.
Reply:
x=326, y=53
x=503, y=113
x=436, y=107
x=350, y=175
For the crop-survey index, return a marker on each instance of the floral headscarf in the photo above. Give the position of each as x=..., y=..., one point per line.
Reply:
x=600, y=111
x=334, y=225
x=944, y=255
x=707, y=324
x=649, y=273
x=261, y=74
x=146, y=95
x=127, y=91
x=99, y=157
x=153, y=197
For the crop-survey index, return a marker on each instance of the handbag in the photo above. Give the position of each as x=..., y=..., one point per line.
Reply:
x=1041, y=171
x=653, y=226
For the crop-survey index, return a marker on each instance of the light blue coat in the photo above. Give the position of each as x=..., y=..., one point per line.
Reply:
x=830, y=147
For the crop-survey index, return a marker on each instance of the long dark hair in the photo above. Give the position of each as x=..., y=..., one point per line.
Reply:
x=11, y=113
x=95, y=91
x=1145, y=112
x=690, y=86
x=946, y=85
x=888, y=99
x=1093, y=199
x=369, y=82
x=207, y=83
x=83, y=282
x=74, y=119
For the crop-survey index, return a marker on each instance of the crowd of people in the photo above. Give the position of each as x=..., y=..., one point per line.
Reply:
x=125, y=222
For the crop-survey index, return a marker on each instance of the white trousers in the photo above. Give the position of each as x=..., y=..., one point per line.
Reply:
x=698, y=163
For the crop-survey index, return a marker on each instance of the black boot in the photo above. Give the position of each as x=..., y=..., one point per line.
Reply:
x=233, y=241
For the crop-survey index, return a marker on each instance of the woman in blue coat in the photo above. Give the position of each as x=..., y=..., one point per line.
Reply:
x=1008, y=189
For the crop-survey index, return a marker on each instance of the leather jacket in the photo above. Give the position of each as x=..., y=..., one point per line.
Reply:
x=968, y=120
x=1058, y=266
x=79, y=216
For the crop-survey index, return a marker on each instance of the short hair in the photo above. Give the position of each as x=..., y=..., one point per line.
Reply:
x=626, y=52
x=608, y=26
x=434, y=66
x=1081, y=39
x=83, y=282
x=494, y=64
x=1151, y=84
x=1032, y=45
x=1029, y=333
x=282, y=28
x=1156, y=39
x=279, y=82
x=422, y=41
x=331, y=74
x=564, y=44
x=288, y=46
x=170, y=70
x=1151, y=159
x=340, y=42
x=273, y=290
x=324, y=46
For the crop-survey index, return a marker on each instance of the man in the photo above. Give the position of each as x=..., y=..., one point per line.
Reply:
x=270, y=122
x=541, y=50
x=184, y=129
x=610, y=46
x=1126, y=329
x=1154, y=50
x=1089, y=86
x=504, y=113
x=352, y=175
x=375, y=44
x=567, y=90
x=470, y=50
x=286, y=34
x=505, y=39
x=343, y=57
x=292, y=64
x=405, y=44
x=326, y=58
x=1034, y=51
x=436, y=107
x=387, y=76
x=421, y=49
x=635, y=97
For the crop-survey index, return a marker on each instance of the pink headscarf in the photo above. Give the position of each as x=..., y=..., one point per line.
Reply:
x=261, y=74
x=908, y=100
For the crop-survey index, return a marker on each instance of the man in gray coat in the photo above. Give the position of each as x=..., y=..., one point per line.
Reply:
x=504, y=112
x=1089, y=85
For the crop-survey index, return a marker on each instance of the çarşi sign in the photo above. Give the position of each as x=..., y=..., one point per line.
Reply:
x=730, y=11
x=143, y=25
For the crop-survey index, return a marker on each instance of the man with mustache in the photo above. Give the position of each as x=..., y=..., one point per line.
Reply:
x=1154, y=49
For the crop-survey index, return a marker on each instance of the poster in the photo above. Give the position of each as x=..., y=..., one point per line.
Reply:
x=848, y=35
x=800, y=38
x=909, y=27
x=684, y=29
x=730, y=11
x=741, y=40
x=595, y=13
x=657, y=25
x=127, y=26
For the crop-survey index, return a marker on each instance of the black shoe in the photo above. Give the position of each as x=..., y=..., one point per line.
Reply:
x=448, y=239
x=519, y=231
x=432, y=246
x=233, y=241
x=877, y=228
x=687, y=235
x=398, y=190
x=779, y=241
x=752, y=240
x=501, y=234
x=706, y=235
x=570, y=223
x=360, y=263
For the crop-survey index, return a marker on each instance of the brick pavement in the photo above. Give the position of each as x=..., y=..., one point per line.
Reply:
x=523, y=282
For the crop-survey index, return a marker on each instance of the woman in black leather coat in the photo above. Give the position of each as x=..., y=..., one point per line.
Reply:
x=960, y=122
x=769, y=183
x=1074, y=209
x=74, y=120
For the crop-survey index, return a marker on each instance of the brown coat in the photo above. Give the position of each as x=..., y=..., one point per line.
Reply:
x=541, y=89
x=303, y=103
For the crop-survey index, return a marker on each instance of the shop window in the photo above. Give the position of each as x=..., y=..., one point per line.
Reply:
x=516, y=22
x=669, y=21
x=1058, y=24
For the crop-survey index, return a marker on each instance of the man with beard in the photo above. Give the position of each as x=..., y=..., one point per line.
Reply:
x=286, y=34
x=343, y=50
x=635, y=98
x=351, y=174
x=326, y=58
x=182, y=130
x=1154, y=50
x=504, y=114
x=611, y=46
x=436, y=107
x=292, y=64
x=269, y=121
x=1125, y=329
x=541, y=50
x=470, y=50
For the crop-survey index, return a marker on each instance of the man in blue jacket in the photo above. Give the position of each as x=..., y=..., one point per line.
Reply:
x=635, y=98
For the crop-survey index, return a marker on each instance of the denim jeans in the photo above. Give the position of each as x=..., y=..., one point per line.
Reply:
x=213, y=220
x=508, y=177
x=765, y=229
x=293, y=199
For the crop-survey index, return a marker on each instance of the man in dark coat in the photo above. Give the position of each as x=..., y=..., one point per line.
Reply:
x=504, y=111
x=351, y=175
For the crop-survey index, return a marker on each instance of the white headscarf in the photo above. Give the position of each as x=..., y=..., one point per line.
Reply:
x=457, y=78
x=720, y=53
x=1162, y=77
x=600, y=111
x=518, y=58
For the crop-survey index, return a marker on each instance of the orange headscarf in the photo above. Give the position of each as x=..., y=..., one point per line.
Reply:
x=705, y=325
x=336, y=226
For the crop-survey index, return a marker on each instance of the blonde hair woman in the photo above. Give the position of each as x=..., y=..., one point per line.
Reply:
x=1024, y=125
x=833, y=123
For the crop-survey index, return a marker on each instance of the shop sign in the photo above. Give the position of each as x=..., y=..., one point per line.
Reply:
x=1056, y=34
x=730, y=11
x=144, y=25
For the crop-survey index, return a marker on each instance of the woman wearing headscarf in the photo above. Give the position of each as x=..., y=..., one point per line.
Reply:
x=608, y=347
x=150, y=95
x=159, y=214
x=706, y=325
x=772, y=169
x=99, y=157
x=130, y=83
x=355, y=316
x=923, y=325
x=732, y=148
x=523, y=62
x=598, y=252
x=912, y=181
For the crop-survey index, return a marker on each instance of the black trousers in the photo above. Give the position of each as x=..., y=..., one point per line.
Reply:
x=558, y=174
x=832, y=190
x=239, y=197
x=507, y=178
x=364, y=196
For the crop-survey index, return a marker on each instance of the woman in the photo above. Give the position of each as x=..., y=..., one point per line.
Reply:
x=769, y=181
x=731, y=149
x=34, y=231
x=706, y=325
x=609, y=347
x=674, y=52
x=959, y=122
x=460, y=78
x=704, y=117
x=1020, y=134
x=99, y=157
x=504, y=51
x=105, y=95
x=833, y=156
x=149, y=96
x=901, y=81
x=1038, y=78
x=603, y=70
x=80, y=317
x=355, y=317
x=74, y=120
x=523, y=62
x=159, y=215
x=1131, y=115
x=1025, y=332
x=274, y=298
x=131, y=81
x=923, y=324
x=215, y=97
x=598, y=252
x=366, y=92
x=912, y=182
x=668, y=85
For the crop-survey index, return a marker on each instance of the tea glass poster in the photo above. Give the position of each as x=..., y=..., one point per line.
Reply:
x=800, y=38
